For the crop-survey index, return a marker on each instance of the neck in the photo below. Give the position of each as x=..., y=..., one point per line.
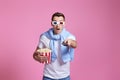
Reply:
x=54, y=33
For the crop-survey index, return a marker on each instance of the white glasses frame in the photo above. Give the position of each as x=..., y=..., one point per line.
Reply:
x=55, y=23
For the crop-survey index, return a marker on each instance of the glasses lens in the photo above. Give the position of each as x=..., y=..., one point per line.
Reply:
x=61, y=22
x=54, y=22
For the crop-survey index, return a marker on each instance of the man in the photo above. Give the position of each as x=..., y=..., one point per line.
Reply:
x=62, y=44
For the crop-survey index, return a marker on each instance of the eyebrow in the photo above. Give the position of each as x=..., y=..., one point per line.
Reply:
x=59, y=20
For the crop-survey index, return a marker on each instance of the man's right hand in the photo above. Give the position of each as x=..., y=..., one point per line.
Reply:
x=37, y=56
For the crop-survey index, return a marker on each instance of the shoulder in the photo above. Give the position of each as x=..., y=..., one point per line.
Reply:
x=43, y=37
x=71, y=36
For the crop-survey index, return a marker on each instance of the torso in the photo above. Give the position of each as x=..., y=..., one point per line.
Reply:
x=56, y=69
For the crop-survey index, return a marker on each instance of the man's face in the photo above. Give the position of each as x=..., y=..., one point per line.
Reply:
x=58, y=24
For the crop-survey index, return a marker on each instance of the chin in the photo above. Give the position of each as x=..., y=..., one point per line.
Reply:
x=57, y=32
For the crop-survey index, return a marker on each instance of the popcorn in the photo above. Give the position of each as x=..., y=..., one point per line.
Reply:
x=45, y=52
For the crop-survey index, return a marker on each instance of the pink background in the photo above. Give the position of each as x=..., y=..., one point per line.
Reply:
x=95, y=23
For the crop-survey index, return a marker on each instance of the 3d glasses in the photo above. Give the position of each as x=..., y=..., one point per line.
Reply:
x=55, y=23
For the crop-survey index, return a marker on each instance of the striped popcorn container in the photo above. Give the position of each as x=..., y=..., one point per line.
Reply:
x=45, y=52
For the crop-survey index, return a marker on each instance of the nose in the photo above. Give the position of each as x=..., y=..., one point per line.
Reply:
x=57, y=25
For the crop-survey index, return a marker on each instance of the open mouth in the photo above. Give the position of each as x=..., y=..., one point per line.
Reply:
x=58, y=29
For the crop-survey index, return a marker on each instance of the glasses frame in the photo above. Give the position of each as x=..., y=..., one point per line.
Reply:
x=58, y=23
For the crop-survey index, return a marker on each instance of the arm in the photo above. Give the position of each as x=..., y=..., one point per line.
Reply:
x=35, y=54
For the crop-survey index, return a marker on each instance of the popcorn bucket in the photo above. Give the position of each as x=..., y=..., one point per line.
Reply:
x=45, y=52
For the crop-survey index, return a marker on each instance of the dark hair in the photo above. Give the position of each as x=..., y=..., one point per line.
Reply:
x=58, y=14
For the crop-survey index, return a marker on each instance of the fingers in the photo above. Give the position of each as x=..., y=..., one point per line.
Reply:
x=67, y=42
x=43, y=59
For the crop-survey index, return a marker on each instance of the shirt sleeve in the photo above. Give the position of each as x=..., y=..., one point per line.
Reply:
x=43, y=42
x=71, y=37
